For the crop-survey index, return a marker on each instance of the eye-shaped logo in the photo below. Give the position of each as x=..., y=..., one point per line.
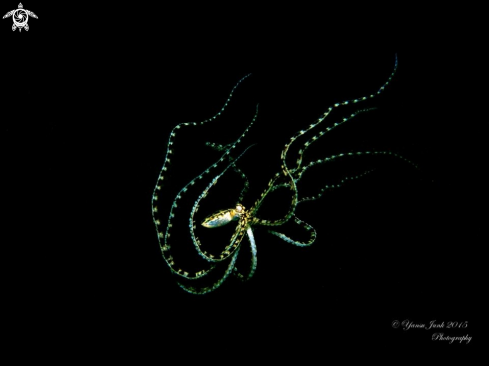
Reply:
x=20, y=17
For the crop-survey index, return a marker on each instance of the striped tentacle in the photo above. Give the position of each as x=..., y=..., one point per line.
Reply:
x=259, y=201
x=164, y=235
x=306, y=226
x=191, y=183
x=287, y=173
x=253, y=263
x=230, y=248
x=291, y=184
x=204, y=290
x=237, y=237
x=287, y=178
x=169, y=150
x=239, y=228
x=246, y=184
x=326, y=130
x=297, y=171
x=312, y=198
x=344, y=180
x=287, y=185
x=338, y=185
x=336, y=105
x=302, y=170
x=218, y=147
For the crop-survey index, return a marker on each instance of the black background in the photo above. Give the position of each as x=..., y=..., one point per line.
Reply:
x=89, y=98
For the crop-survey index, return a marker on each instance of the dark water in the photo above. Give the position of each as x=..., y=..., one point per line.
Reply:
x=86, y=117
